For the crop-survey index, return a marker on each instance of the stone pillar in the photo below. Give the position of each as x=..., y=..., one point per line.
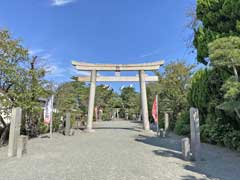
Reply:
x=166, y=122
x=140, y=116
x=144, y=100
x=91, y=100
x=195, y=134
x=14, y=131
x=22, y=146
x=67, y=124
x=186, y=149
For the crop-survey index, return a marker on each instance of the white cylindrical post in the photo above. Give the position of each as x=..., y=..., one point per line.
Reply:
x=91, y=100
x=144, y=100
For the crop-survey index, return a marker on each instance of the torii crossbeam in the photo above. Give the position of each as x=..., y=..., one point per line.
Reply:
x=141, y=77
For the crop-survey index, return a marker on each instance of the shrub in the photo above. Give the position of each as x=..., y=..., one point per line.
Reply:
x=232, y=140
x=182, y=126
x=43, y=129
x=56, y=121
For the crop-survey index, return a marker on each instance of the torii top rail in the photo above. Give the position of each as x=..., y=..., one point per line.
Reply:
x=142, y=78
x=118, y=67
x=83, y=66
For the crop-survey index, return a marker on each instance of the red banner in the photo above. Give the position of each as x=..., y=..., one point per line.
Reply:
x=155, y=110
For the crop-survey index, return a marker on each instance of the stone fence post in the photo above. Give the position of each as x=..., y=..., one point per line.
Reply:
x=14, y=132
x=195, y=134
x=186, y=149
x=22, y=146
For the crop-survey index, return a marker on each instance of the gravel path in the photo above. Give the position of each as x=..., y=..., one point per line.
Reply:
x=118, y=150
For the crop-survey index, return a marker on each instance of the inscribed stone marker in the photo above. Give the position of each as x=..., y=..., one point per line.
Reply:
x=195, y=134
x=14, y=131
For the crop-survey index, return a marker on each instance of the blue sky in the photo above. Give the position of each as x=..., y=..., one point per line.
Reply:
x=99, y=31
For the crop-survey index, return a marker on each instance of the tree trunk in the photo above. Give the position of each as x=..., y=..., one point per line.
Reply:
x=2, y=121
x=236, y=78
x=238, y=115
x=5, y=135
x=235, y=73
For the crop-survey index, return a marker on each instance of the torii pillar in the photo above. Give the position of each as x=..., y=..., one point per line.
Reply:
x=144, y=100
x=91, y=100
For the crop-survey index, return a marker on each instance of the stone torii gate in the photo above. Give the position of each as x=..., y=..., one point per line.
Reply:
x=141, y=77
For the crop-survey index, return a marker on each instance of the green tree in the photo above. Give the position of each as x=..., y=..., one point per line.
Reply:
x=172, y=90
x=104, y=94
x=12, y=74
x=130, y=101
x=217, y=19
x=72, y=97
x=225, y=52
x=105, y=100
x=21, y=81
x=174, y=83
x=216, y=41
x=206, y=93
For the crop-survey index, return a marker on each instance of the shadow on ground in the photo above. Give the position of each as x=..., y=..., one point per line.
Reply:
x=217, y=163
x=120, y=128
x=191, y=178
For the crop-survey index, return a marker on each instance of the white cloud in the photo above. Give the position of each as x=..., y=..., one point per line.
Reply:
x=151, y=53
x=61, y=2
x=83, y=73
x=46, y=56
x=55, y=71
x=75, y=72
x=40, y=53
x=33, y=52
